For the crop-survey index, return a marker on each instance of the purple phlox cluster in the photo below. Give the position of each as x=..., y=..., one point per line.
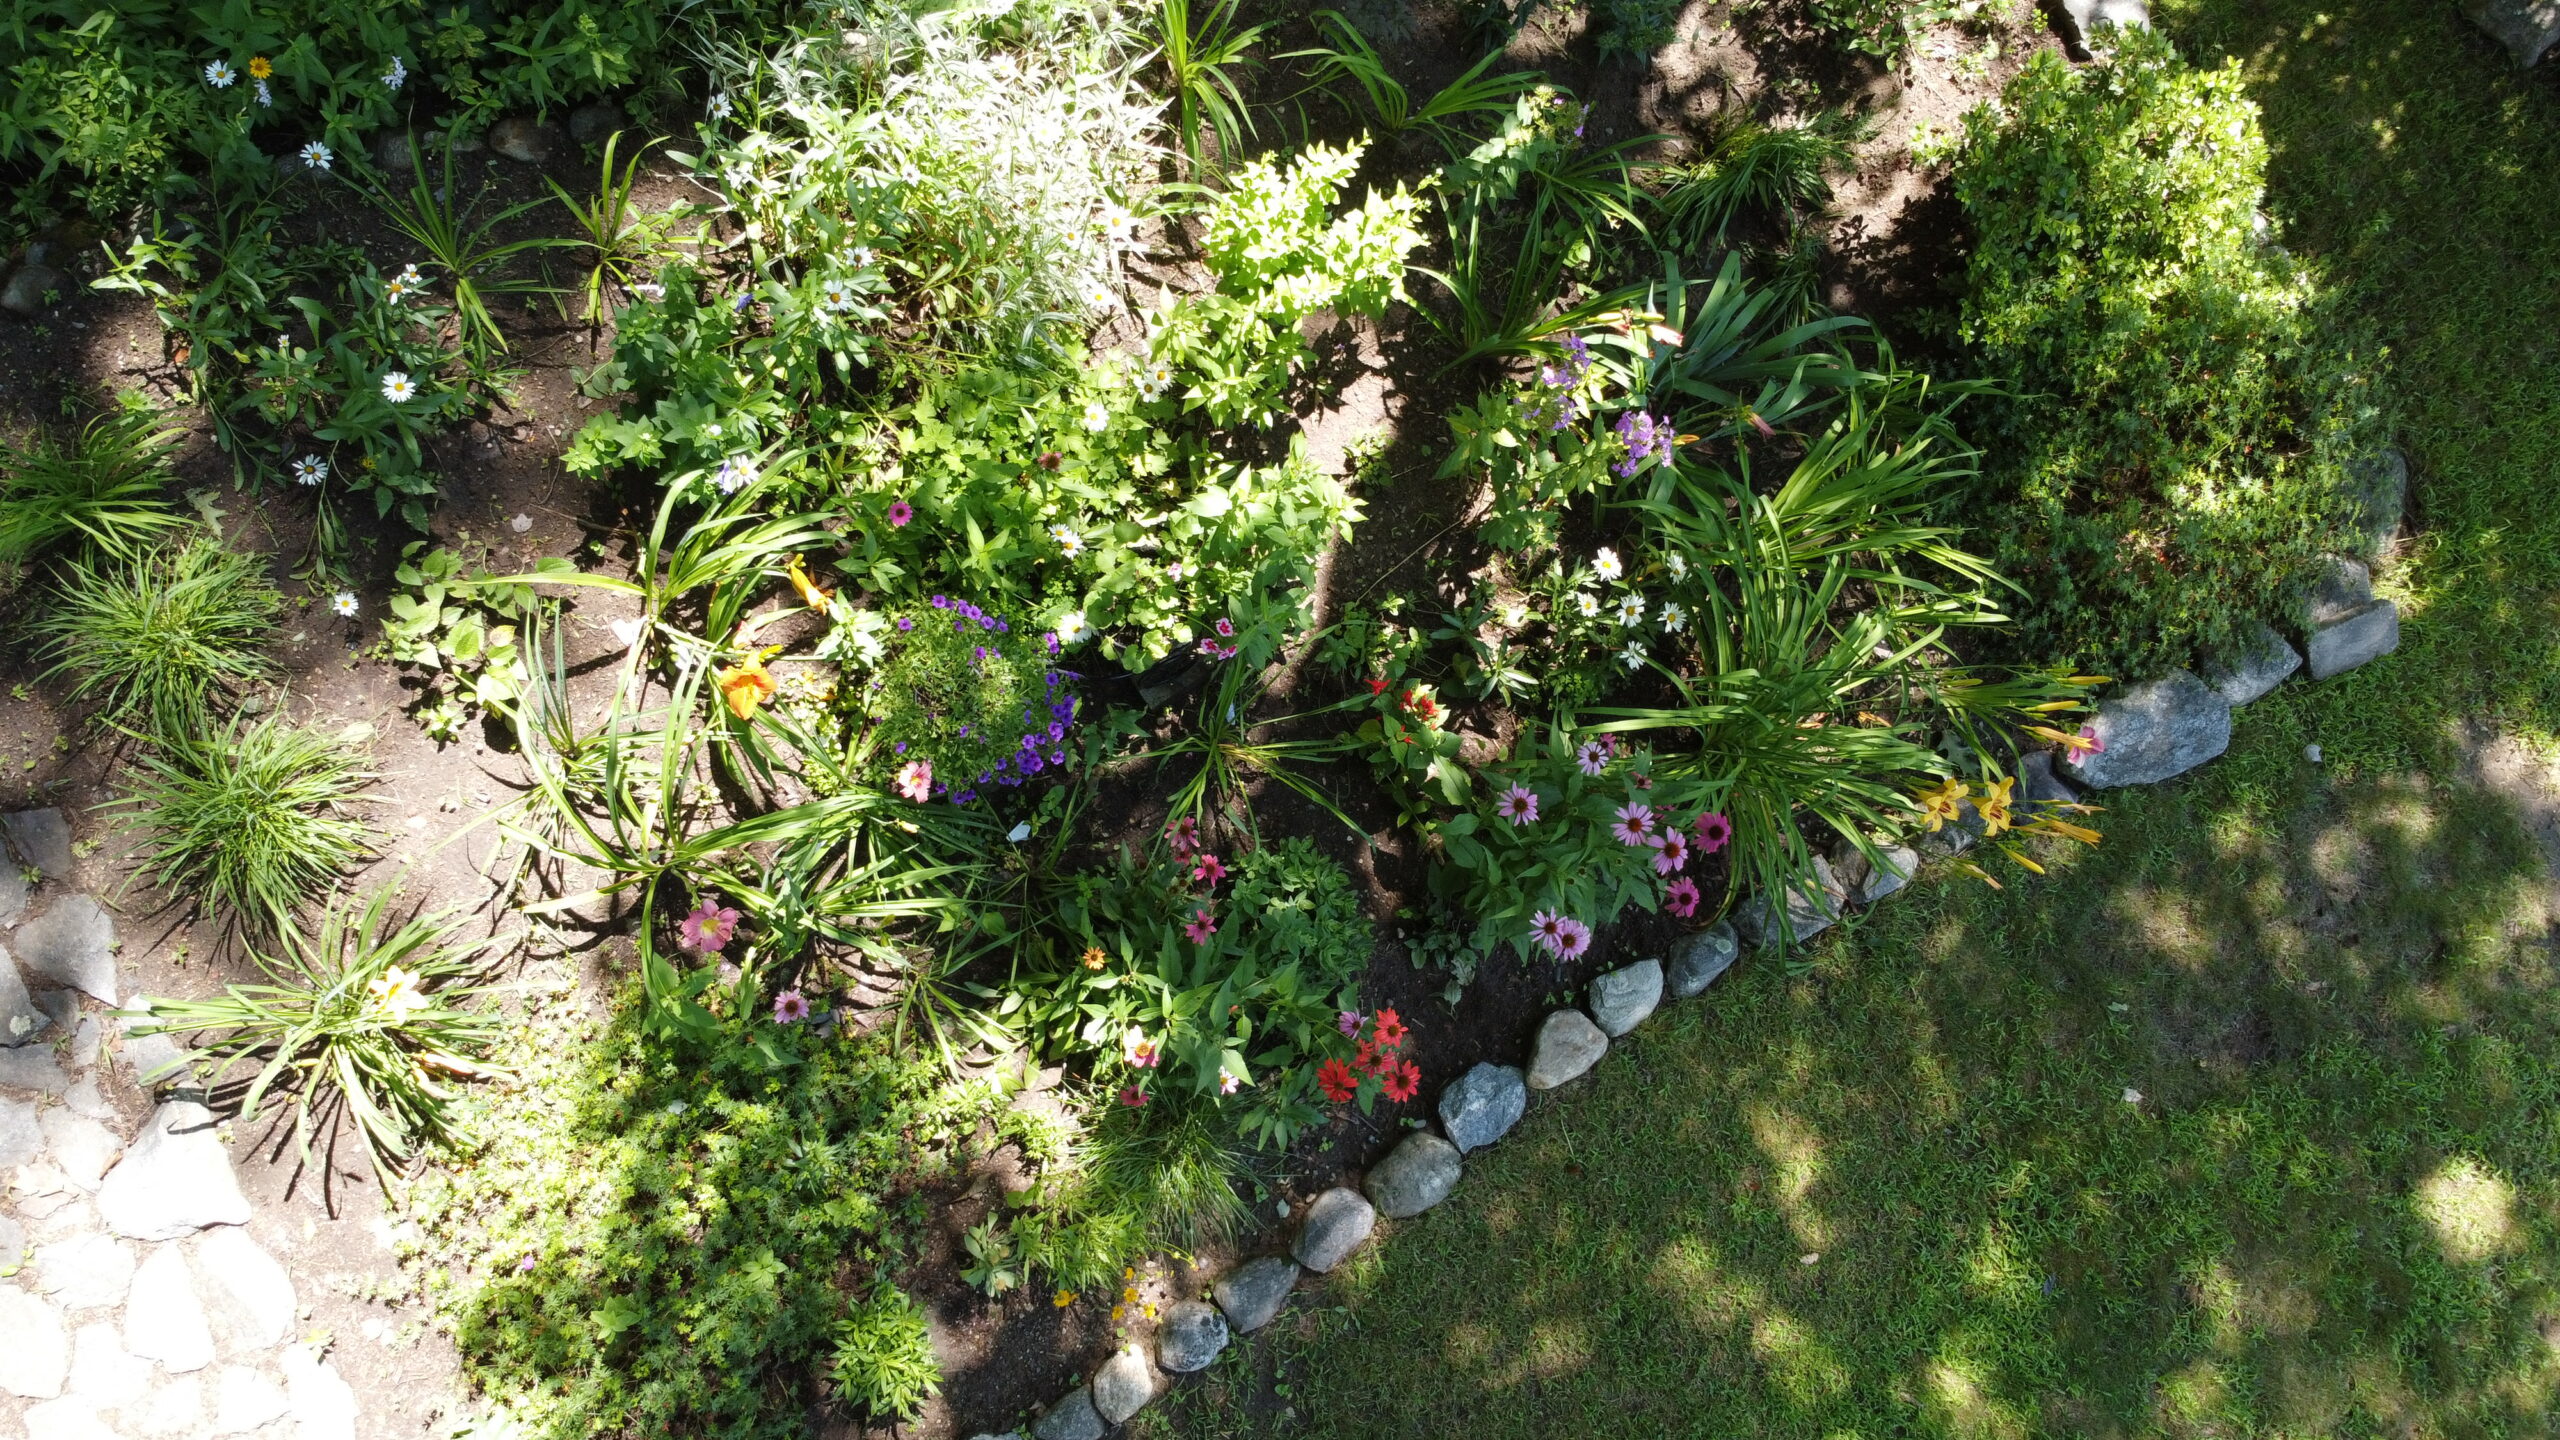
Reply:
x=962, y=612
x=1551, y=402
x=1646, y=439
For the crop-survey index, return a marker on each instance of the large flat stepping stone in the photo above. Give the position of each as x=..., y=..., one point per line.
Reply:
x=2154, y=730
x=1415, y=1176
x=1568, y=1044
x=32, y=1067
x=82, y=1148
x=21, y=1134
x=244, y=1399
x=163, y=1319
x=73, y=944
x=102, y=1369
x=1482, y=1105
x=1252, y=1295
x=15, y=892
x=248, y=1295
x=175, y=1179
x=19, y=1013
x=35, y=1349
x=1192, y=1335
x=73, y=1417
x=84, y=1272
x=1621, y=999
x=323, y=1405
x=2525, y=27
x=42, y=839
x=1698, y=960
x=173, y=1408
x=1072, y=1418
x=1335, y=1226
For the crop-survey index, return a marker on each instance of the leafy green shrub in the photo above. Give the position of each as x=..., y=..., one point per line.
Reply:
x=2168, y=472
x=364, y=1022
x=165, y=638
x=967, y=704
x=248, y=819
x=665, y=1240
x=458, y=622
x=1882, y=28
x=1782, y=170
x=108, y=489
x=883, y=1359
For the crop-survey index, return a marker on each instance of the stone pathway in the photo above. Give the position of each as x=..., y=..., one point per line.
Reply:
x=133, y=1301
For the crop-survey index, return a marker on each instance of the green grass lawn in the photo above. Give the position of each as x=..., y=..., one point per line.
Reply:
x=2334, y=1210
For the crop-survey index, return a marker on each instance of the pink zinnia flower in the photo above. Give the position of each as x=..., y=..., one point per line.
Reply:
x=1577, y=938
x=1208, y=869
x=915, y=780
x=1200, y=927
x=790, y=1008
x=1519, y=805
x=1712, y=830
x=1138, y=1050
x=1593, y=757
x=900, y=512
x=1548, y=929
x=1670, y=852
x=1133, y=1097
x=1634, y=825
x=1184, y=836
x=708, y=928
x=1680, y=897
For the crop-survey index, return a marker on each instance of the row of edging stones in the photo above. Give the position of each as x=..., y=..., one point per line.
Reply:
x=2151, y=731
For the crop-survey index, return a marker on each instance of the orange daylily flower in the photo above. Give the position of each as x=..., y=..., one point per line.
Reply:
x=745, y=687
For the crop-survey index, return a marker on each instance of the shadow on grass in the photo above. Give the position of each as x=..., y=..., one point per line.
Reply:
x=2238, y=1124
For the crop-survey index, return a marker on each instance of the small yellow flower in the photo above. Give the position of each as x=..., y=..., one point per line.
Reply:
x=1129, y=1295
x=1063, y=1299
x=1150, y=1311
x=1128, y=1272
x=1093, y=957
x=1943, y=804
x=1993, y=807
x=259, y=69
x=1119, y=1313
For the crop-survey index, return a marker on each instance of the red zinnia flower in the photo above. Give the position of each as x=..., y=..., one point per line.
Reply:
x=1133, y=1097
x=1334, y=1078
x=1391, y=1031
x=1401, y=1082
x=1377, y=687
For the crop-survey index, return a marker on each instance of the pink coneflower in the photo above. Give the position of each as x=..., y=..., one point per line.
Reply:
x=1593, y=757
x=1712, y=830
x=711, y=926
x=1208, y=869
x=1548, y=929
x=900, y=512
x=1519, y=805
x=1183, y=836
x=1576, y=939
x=1200, y=926
x=1634, y=825
x=1133, y=1097
x=1680, y=897
x=790, y=1008
x=1670, y=852
x=1349, y=1022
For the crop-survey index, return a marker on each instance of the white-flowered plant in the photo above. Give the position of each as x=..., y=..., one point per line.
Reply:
x=316, y=155
x=398, y=388
x=310, y=470
x=1630, y=609
x=1606, y=564
x=220, y=75
x=345, y=604
x=1070, y=544
x=735, y=474
x=396, y=76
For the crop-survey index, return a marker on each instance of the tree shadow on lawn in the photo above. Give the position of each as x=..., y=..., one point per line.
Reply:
x=2237, y=1124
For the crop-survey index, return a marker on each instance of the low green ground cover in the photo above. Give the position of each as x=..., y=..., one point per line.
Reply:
x=2331, y=1212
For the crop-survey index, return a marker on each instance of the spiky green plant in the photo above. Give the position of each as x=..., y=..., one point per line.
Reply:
x=251, y=820
x=162, y=639
x=108, y=488
x=1781, y=170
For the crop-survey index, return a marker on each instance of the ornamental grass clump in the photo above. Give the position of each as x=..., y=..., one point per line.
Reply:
x=250, y=820
x=162, y=640
x=966, y=704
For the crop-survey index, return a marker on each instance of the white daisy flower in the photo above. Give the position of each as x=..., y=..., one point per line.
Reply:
x=1100, y=297
x=396, y=76
x=1679, y=564
x=1587, y=603
x=711, y=431
x=220, y=75
x=1630, y=608
x=1605, y=564
x=1118, y=225
x=310, y=470
x=1633, y=657
x=720, y=106
x=265, y=95
x=1072, y=628
x=859, y=257
x=649, y=290
x=397, y=288
x=316, y=155
x=1097, y=416
x=1673, y=620
x=1070, y=543
x=397, y=387
x=836, y=295
x=733, y=475
x=345, y=604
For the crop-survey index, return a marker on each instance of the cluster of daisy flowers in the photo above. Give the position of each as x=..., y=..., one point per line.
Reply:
x=1378, y=1060
x=221, y=75
x=1630, y=610
x=1037, y=734
x=1637, y=824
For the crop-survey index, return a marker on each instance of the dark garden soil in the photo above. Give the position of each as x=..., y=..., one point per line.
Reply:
x=1891, y=240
